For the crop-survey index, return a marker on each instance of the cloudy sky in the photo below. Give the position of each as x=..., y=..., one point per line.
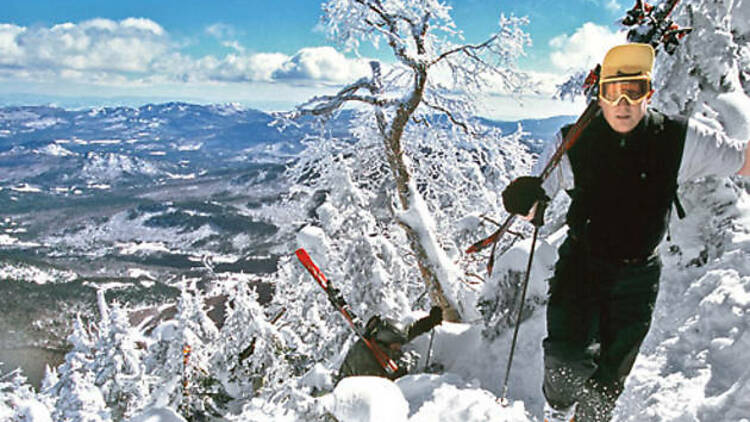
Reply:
x=263, y=54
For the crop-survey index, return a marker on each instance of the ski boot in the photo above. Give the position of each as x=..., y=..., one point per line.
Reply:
x=563, y=415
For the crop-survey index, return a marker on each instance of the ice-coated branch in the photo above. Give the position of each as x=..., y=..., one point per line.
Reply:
x=387, y=25
x=572, y=87
x=405, y=25
x=477, y=66
x=327, y=104
x=377, y=7
x=468, y=49
x=451, y=116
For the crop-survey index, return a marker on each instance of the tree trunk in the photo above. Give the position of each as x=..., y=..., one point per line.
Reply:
x=394, y=153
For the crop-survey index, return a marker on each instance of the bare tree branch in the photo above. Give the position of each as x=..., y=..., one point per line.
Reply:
x=450, y=116
x=330, y=103
x=468, y=49
x=389, y=21
x=327, y=104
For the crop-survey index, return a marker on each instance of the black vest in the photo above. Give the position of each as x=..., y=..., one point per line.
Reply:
x=625, y=184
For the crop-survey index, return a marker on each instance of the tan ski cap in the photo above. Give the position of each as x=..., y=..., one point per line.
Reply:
x=628, y=60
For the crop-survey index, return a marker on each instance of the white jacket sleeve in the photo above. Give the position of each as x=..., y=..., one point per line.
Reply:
x=709, y=152
x=562, y=176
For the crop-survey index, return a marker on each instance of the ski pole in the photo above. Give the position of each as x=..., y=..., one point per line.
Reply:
x=570, y=139
x=429, y=349
x=538, y=222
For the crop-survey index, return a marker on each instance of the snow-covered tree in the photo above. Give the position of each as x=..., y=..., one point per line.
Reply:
x=77, y=397
x=19, y=402
x=250, y=350
x=355, y=241
x=179, y=358
x=81, y=400
x=433, y=82
x=708, y=79
x=118, y=362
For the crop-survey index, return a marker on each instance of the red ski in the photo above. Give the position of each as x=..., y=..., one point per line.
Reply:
x=334, y=296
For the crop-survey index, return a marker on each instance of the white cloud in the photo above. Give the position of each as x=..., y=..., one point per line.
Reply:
x=9, y=48
x=585, y=47
x=237, y=68
x=97, y=24
x=234, y=45
x=322, y=64
x=143, y=24
x=546, y=82
x=221, y=31
x=95, y=45
x=613, y=6
x=227, y=35
x=138, y=51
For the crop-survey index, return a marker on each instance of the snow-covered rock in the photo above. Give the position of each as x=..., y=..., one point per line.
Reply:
x=314, y=241
x=446, y=398
x=368, y=399
x=157, y=414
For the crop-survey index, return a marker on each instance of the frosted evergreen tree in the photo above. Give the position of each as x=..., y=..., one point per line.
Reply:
x=118, y=362
x=179, y=359
x=81, y=400
x=77, y=397
x=707, y=79
x=250, y=350
x=19, y=402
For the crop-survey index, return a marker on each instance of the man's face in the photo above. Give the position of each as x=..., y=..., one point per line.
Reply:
x=623, y=117
x=621, y=114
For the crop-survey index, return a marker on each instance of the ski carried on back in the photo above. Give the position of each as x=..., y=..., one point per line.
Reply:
x=583, y=121
x=334, y=296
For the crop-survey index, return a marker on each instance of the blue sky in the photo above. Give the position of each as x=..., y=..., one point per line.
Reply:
x=233, y=50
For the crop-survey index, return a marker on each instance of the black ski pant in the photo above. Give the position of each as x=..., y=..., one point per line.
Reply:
x=598, y=313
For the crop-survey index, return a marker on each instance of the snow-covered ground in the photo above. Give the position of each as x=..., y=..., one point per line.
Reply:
x=695, y=364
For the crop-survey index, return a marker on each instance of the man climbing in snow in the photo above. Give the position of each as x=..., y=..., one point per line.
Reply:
x=622, y=175
x=390, y=338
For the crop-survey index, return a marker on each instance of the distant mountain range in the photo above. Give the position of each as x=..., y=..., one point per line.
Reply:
x=54, y=149
x=59, y=151
x=187, y=178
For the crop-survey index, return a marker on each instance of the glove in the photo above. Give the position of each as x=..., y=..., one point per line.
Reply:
x=522, y=193
x=436, y=315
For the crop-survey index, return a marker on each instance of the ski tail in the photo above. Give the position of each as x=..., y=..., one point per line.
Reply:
x=388, y=365
x=313, y=269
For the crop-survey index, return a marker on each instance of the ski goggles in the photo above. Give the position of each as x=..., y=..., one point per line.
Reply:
x=633, y=88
